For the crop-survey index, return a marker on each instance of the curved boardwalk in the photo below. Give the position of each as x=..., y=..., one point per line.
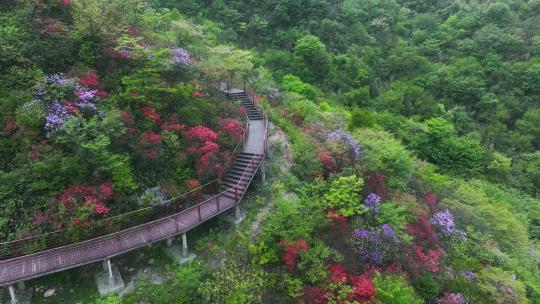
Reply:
x=232, y=190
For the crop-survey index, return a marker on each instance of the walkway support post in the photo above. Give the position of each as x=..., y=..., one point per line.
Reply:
x=169, y=242
x=111, y=276
x=237, y=214
x=263, y=172
x=185, y=252
x=21, y=286
x=13, y=294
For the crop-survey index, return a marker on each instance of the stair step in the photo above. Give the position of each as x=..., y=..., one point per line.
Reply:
x=229, y=195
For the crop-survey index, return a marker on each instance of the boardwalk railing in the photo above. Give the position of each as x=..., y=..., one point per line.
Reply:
x=59, y=238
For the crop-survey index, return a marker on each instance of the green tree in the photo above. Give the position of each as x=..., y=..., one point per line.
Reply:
x=312, y=59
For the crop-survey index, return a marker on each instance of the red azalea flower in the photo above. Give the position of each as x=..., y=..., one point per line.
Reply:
x=90, y=80
x=65, y=3
x=100, y=208
x=202, y=133
x=106, y=190
x=9, y=128
x=152, y=154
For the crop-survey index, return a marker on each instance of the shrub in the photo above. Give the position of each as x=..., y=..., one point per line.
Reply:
x=395, y=290
x=344, y=195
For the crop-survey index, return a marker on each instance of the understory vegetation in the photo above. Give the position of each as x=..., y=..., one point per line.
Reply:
x=405, y=157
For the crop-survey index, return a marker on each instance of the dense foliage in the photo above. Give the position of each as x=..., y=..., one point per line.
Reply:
x=101, y=115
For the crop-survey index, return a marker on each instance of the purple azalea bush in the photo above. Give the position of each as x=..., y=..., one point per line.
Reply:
x=57, y=111
x=444, y=220
x=372, y=202
x=345, y=137
x=56, y=117
x=180, y=56
x=375, y=245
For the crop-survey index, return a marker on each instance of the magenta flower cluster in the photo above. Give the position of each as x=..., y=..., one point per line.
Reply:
x=345, y=137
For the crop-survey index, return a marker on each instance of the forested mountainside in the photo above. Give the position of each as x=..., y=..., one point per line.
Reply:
x=404, y=163
x=474, y=64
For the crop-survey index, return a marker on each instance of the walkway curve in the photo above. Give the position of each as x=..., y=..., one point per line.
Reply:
x=231, y=193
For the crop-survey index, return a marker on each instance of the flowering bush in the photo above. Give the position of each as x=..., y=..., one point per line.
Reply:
x=346, y=138
x=291, y=252
x=450, y=298
x=422, y=231
x=444, y=220
x=425, y=260
x=314, y=295
x=372, y=202
x=149, y=112
x=202, y=133
x=233, y=127
x=78, y=204
x=180, y=56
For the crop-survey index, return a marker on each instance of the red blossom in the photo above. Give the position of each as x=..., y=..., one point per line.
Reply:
x=363, y=289
x=127, y=118
x=102, y=93
x=106, y=191
x=198, y=94
x=328, y=162
x=90, y=80
x=40, y=218
x=422, y=231
x=9, y=128
x=71, y=107
x=150, y=138
x=314, y=295
x=149, y=112
x=100, y=208
x=423, y=260
x=431, y=200
x=291, y=252
x=173, y=127
x=65, y=3
x=233, y=127
x=209, y=147
x=152, y=154
x=192, y=183
x=377, y=185
x=337, y=273
x=202, y=133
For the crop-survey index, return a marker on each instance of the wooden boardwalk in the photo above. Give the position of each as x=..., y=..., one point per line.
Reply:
x=61, y=258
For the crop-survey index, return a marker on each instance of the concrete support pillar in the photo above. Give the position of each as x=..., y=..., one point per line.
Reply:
x=263, y=172
x=237, y=214
x=21, y=286
x=13, y=294
x=185, y=252
x=169, y=242
x=111, y=276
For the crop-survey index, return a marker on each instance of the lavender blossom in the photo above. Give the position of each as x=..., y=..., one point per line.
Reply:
x=180, y=56
x=361, y=233
x=445, y=221
x=387, y=231
x=372, y=202
x=58, y=115
x=59, y=79
x=469, y=275
x=86, y=99
x=347, y=138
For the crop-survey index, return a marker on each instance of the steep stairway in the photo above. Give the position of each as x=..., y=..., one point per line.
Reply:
x=239, y=176
x=253, y=112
